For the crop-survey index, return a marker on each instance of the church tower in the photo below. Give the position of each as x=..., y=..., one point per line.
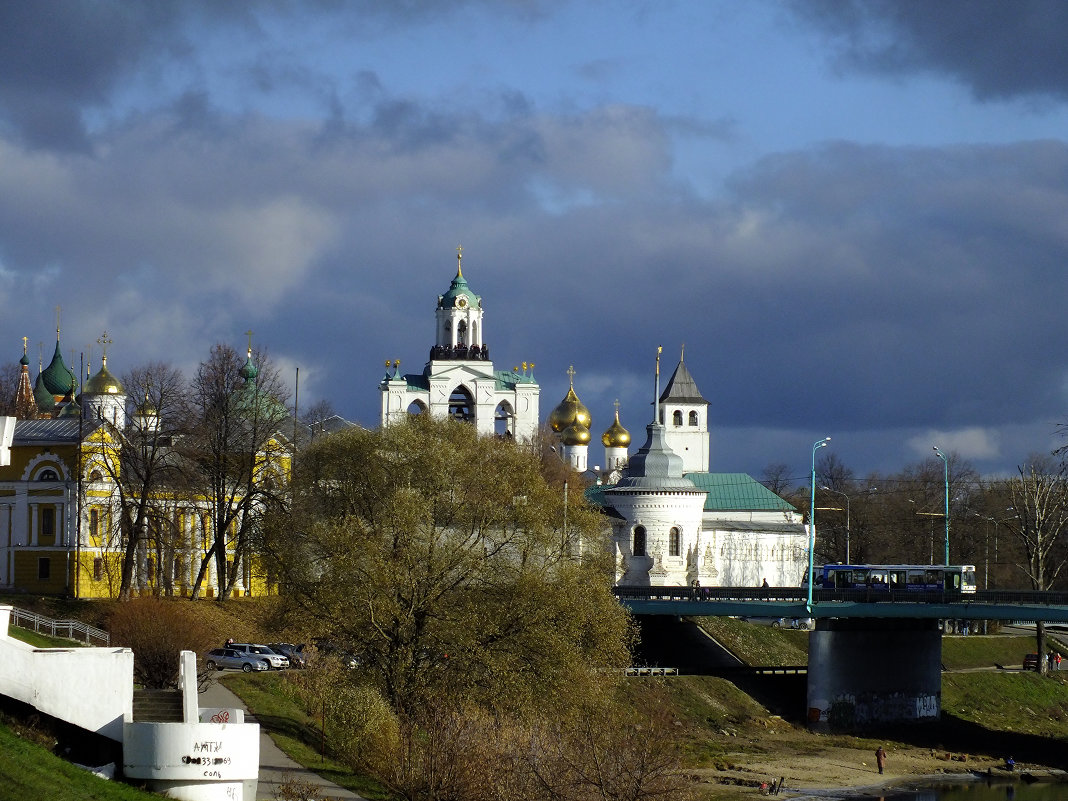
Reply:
x=103, y=397
x=616, y=441
x=458, y=380
x=659, y=513
x=25, y=405
x=571, y=420
x=684, y=415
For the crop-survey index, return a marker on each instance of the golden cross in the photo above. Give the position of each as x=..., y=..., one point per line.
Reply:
x=571, y=374
x=459, y=260
x=104, y=341
x=249, y=335
x=24, y=345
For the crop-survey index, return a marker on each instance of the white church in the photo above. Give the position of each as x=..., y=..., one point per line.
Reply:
x=672, y=521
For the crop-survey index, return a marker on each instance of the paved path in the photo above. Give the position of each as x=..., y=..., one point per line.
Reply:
x=275, y=766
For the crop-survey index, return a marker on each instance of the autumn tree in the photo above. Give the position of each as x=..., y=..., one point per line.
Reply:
x=235, y=450
x=442, y=560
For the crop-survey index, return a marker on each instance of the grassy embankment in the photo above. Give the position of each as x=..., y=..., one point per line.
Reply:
x=724, y=722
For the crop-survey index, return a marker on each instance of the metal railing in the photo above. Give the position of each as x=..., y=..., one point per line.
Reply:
x=69, y=629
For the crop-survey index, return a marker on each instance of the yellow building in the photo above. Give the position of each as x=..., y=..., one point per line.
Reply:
x=61, y=499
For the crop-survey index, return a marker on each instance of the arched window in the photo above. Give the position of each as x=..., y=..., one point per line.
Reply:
x=674, y=542
x=416, y=407
x=639, y=541
x=96, y=475
x=462, y=405
x=676, y=418
x=48, y=475
x=693, y=418
x=504, y=420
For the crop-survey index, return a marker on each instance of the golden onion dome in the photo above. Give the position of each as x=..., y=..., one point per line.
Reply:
x=616, y=436
x=575, y=434
x=569, y=412
x=103, y=383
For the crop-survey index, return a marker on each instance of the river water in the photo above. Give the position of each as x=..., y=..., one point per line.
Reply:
x=981, y=791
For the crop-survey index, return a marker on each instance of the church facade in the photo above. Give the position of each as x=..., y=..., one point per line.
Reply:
x=673, y=522
x=458, y=379
x=61, y=530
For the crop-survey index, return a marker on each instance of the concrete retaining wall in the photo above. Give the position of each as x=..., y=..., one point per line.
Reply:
x=866, y=672
x=89, y=687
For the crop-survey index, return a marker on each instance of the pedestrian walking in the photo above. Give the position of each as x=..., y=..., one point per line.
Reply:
x=880, y=758
x=1057, y=660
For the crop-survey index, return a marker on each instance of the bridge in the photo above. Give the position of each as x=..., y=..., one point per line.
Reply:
x=790, y=602
x=875, y=656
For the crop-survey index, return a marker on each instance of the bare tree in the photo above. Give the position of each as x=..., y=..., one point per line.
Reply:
x=133, y=465
x=234, y=450
x=1038, y=497
x=776, y=477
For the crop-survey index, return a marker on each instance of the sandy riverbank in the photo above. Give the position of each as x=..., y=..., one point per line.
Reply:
x=838, y=771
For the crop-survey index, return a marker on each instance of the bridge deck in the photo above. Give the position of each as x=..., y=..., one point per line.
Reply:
x=789, y=602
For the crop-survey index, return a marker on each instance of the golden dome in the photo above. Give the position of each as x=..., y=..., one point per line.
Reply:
x=570, y=410
x=616, y=436
x=575, y=434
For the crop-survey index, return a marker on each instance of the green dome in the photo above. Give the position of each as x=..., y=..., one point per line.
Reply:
x=46, y=401
x=459, y=295
x=57, y=376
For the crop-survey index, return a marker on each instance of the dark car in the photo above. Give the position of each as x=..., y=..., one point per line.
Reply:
x=222, y=658
x=294, y=652
x=1030, y=662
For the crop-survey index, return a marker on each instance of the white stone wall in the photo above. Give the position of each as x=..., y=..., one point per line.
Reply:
x=89, y=687
x=658, y=513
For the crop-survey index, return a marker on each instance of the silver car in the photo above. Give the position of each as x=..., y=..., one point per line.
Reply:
x=221, y=658
x=271, y=658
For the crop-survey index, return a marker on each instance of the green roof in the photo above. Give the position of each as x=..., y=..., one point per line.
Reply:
x=727, y=492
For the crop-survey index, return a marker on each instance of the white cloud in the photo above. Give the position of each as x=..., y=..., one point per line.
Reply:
x=968, y=443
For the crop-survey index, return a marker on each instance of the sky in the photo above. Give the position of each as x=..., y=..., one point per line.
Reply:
x=853, y=215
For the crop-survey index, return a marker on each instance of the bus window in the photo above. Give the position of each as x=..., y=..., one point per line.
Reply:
x=953, y=581
x=932, y=578
x=897, y=578
x=843, y=579
x=877, y=577
x=916, y=578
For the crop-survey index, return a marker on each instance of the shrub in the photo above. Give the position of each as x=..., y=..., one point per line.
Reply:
x=157, y=631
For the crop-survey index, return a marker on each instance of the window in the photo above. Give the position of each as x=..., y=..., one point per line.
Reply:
x=676, y=418
x=44, y=568
x=98, y=569
x=639, y=541
x=94, y=526
x=674, y=543
x=693, y=418
x=48, y=475
x=48, y=522
x=96, y=475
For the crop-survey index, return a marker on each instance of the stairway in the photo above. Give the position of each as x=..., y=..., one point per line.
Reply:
x=157, y=706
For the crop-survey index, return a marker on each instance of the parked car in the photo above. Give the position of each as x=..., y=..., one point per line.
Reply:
x=294, y=652
x=222, y=658
x=266, y=654
x=1031, y=662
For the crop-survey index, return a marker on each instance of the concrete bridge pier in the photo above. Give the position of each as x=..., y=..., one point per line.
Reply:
x=867, y=672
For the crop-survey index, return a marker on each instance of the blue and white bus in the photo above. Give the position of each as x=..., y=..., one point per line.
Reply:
x=916, y=578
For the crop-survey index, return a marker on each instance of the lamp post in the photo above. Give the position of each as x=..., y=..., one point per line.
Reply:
x=836, y=492
x=945, y=464
x=812, y=518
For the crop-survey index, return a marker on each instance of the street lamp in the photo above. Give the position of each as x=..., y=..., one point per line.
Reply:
x=945, y=464
x=812, y=518
x=836, y=492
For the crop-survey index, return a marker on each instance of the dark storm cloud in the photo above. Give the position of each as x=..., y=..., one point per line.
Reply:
x=998, y=49
x=61, y=57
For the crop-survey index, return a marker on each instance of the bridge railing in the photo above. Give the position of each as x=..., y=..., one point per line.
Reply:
x=800, y=595
x=70, y=629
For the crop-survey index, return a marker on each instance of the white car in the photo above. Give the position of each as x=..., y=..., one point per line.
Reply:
x=262, y=652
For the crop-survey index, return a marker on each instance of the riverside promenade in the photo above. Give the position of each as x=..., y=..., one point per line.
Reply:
x=275, y=767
